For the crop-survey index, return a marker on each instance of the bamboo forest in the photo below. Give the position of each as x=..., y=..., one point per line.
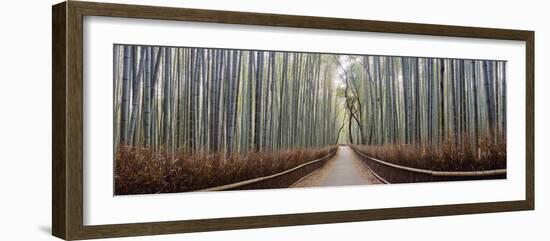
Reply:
x=192, y=119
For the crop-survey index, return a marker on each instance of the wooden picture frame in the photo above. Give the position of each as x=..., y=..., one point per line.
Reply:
x=67, y=123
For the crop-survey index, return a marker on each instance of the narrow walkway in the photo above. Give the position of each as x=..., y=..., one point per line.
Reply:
x=341, y=170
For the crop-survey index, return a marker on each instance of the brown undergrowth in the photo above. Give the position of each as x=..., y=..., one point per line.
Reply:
x=449, y=157
x=142, y=171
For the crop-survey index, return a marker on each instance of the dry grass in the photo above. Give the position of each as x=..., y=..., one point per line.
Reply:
x=449, y=157
x=142, y=171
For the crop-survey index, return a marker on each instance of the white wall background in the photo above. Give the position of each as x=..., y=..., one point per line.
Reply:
x=25, y=119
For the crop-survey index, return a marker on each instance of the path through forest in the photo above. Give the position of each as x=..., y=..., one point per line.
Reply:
x=343, y=169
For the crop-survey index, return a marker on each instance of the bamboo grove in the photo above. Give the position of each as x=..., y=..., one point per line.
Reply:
x=424, y=101
x=202, y=100
x=191, y=118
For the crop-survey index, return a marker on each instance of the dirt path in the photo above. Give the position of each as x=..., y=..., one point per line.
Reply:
x=341, y=170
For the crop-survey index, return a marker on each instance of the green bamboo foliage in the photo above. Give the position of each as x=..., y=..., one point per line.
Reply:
x=424, y=101
x=201, y=100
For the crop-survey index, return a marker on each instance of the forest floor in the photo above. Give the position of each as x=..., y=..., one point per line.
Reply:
x=143, y=171
x=343, y=169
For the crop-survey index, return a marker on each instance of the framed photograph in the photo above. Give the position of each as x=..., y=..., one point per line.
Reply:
x=172, y=120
